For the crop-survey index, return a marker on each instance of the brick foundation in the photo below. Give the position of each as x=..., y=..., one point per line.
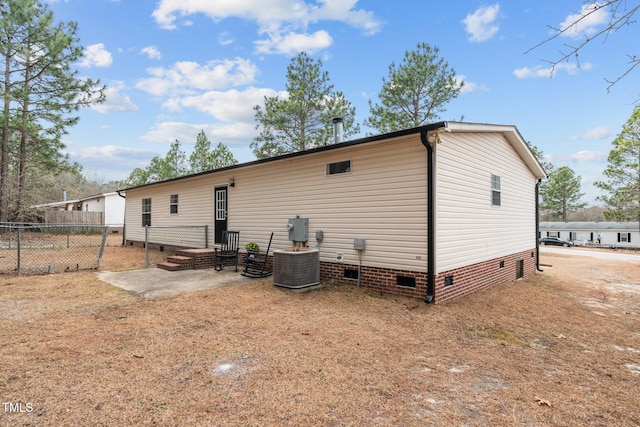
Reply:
x=381, y=280
x=464, y=280
x=484, y=275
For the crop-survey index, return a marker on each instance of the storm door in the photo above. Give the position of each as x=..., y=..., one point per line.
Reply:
x=219, y=212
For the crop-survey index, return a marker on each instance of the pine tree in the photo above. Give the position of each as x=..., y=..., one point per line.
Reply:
x=561, y=193
x=41, y=93
x=623, y=173
x=415, y=92
x=303, y=119
x=203, y=158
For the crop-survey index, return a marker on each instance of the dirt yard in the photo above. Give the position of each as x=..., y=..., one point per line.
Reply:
x=561, y=348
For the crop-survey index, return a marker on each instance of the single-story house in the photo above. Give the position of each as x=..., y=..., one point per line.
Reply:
x=445, y=209
x=108, y=206
x=615, y=234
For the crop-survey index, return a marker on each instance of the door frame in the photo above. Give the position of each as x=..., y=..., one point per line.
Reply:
x=220, y=211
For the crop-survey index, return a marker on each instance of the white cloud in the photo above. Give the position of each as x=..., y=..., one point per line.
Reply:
x=586, y=22
x=481, y=25
x=108, y=153
x=343, y=10
x=187, y=76
x=119, y=161
x=596, y=133
x=96, y=55
x=268, y=12
x=569, y=68
x=292, y=43
x=284, y=21
x=225, y=39
x=186, y=133
x=468, y=86
x=574, y=159
x=229, y=106
x=152, y=52
x=588, y=156
x=115, y=101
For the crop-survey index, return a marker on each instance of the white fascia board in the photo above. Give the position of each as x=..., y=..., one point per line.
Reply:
x=513, y=136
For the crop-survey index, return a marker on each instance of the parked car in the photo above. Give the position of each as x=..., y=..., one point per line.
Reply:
x=555, y=241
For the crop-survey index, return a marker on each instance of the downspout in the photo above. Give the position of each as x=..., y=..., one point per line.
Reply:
x=538, y=226
x=124, y=223
x=431, y=223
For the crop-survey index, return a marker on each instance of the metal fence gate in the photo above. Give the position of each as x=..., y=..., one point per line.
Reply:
x=50, y=248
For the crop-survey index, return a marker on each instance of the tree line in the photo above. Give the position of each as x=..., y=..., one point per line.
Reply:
x=42, y=94
x=412, y=95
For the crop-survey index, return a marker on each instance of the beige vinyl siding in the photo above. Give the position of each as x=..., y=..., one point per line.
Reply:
x=469, y=228
x=195, y=204
x=382, y=199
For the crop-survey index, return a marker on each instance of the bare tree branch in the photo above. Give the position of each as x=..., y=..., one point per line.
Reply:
x=620, y=16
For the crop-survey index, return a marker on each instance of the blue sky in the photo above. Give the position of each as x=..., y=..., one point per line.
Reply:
x=175, y=67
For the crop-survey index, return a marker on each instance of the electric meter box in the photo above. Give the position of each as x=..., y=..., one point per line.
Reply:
x=359, y=243
x=299, y=229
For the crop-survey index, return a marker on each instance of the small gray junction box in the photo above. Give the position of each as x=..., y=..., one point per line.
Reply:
x=359, y=243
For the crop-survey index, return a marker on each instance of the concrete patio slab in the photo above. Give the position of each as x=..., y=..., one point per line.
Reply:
x=155, y=282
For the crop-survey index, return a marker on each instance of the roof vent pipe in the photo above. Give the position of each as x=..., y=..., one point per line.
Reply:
x=338, y=130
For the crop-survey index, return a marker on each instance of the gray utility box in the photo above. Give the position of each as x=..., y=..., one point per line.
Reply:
x=299, y=229
x=359, y=243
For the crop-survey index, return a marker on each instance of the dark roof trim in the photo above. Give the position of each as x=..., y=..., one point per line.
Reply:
x=359, y=141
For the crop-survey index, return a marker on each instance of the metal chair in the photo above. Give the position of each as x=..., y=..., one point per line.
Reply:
x=255, y=263
x=228, y=249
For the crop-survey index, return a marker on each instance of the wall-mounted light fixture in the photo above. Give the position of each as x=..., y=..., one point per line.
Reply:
x=232, y=182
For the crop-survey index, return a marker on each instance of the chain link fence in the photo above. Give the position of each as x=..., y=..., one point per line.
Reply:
x=162, y=241
x=50, y=248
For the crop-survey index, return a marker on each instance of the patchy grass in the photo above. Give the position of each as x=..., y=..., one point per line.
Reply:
x=560, y=348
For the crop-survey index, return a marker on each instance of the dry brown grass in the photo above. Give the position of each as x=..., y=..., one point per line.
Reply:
x=561, y=348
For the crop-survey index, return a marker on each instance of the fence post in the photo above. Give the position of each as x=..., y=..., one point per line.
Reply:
x=104, y=240
x=206, y=236
x=18, y=251
x=68, y=234
x=146, y=246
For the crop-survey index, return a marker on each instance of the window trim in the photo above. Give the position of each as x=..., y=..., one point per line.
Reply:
x=496, y=191
x=146, y=212
x=173, y=204
x=338, y=168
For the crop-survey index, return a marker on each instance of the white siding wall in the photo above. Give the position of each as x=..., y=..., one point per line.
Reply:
x=382, y=199
x=195, y=204
x=114, y=210
x=93, y=205
x=469, y=229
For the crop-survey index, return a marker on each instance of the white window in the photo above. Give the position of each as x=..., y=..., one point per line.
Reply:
x=495, y=190
x=146, y=212
x=173, y=204
x=624, y=237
